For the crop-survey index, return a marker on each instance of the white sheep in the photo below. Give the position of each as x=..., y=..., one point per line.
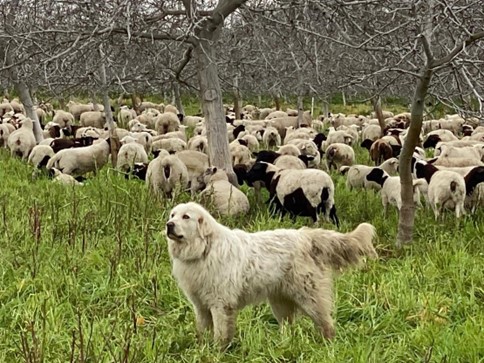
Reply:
x=198, y=143
x=81, y=160
x=371, y=132
x=252, y=142
x=340, y=136
x=172, y=145
x=391, y=188
x=339, y=154
x=447, y=189
x=22, y=141
x=240, y=154
x=355, y=175
x=167, y=122
x=196, y=163
x=61, y=178
x=129, y=153
x=63, y=118
x=93, y=118
x=40, y=155
x=222, y=195
x=289, y=149
x=166, y=174
x=4, y=133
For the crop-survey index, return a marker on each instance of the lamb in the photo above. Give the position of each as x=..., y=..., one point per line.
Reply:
x=167, y=122
x=79, y=161
x=252, y=142
x=40, y=155
x=309, y=148
x=125, y=115
x=196, y=163
x=305, y=192
x=93, y=118
x=219, y=192
x=165, y=174
x=190, y=121
x=171, y=109
x=198, y=143
x=22, y=141
x=446, y=188
x=391, y=188
x=130, y=153
x=356, y=174
x=61, y=178
x=339, y=154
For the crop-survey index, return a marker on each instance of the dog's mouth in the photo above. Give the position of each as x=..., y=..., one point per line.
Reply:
x=170, y=232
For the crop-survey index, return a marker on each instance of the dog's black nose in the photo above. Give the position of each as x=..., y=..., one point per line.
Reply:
x=170, y=227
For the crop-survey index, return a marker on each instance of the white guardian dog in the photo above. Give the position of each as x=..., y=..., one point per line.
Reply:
x=222, y=270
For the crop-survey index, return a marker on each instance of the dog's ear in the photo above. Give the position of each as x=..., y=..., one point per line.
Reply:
x=204, y=227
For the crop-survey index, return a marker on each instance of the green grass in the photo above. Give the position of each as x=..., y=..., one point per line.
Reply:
x=85, y=276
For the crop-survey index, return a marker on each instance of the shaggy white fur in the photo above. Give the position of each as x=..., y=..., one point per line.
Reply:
x=222, y=270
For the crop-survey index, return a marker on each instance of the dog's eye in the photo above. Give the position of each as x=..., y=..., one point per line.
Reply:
x=172, y=215
x=186, y=216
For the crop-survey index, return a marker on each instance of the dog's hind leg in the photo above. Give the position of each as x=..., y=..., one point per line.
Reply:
x=282, y=308
x=315, y=299
x=223, y=324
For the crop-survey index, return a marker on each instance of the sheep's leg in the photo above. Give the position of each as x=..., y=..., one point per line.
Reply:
x=435, y=207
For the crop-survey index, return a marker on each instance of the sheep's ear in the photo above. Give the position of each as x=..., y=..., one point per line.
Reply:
x=214, y=170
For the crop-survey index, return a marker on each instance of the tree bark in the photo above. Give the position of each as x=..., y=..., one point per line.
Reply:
x=407, y=213
x=24, y=96
x=236, y=98
x=300, y=109
x=178, y=100
x=379, y=114
x=213, y=111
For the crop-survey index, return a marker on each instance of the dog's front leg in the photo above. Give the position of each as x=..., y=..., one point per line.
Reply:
x=224, y=324
x=204, y=320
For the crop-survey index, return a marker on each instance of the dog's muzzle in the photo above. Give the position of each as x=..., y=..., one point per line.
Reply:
x=170, y=231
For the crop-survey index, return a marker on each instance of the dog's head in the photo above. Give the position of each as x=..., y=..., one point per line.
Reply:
x=189, y=229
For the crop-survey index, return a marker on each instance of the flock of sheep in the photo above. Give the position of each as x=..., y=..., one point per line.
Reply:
x=269, y=149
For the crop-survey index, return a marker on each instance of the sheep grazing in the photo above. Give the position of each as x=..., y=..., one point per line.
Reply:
x=40, y=155
x=307, y=192
x=446, y=188
x=391, y=188
x=240, y=154
x=355, y=175
x=130, y=153
x=198, y=143
x=93, y=119
x=289, y=150
x=63, y=118
x=371, y=133
x=434, y=137
x=474, y=188
x=290, y=162
x=165, y=174
x=79, y=161
x=76, y=109
x=339, y=136
x=22, y=141
x=4, y=134
x=380, y=151
x=196, y=163
x=167, y=122
x=172, y=145
x=271, y=137
x=226, y=199
x=61, y=144
x=61, y=178
x=251, y=142
x=338, y=155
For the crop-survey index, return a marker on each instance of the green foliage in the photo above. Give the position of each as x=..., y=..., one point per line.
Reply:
x=85, y=276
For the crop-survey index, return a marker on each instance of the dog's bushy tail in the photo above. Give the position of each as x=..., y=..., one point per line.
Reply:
x=342, y=250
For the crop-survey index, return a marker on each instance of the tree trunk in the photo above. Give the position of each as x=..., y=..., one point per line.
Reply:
x=277, y=101
x=300, y=109
x=236, y=98
x=407, y=213
x=24, y=96
x=343, y=96
x=379, y=114
x=135, y=103
x=178, y=100
x=213, y=111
